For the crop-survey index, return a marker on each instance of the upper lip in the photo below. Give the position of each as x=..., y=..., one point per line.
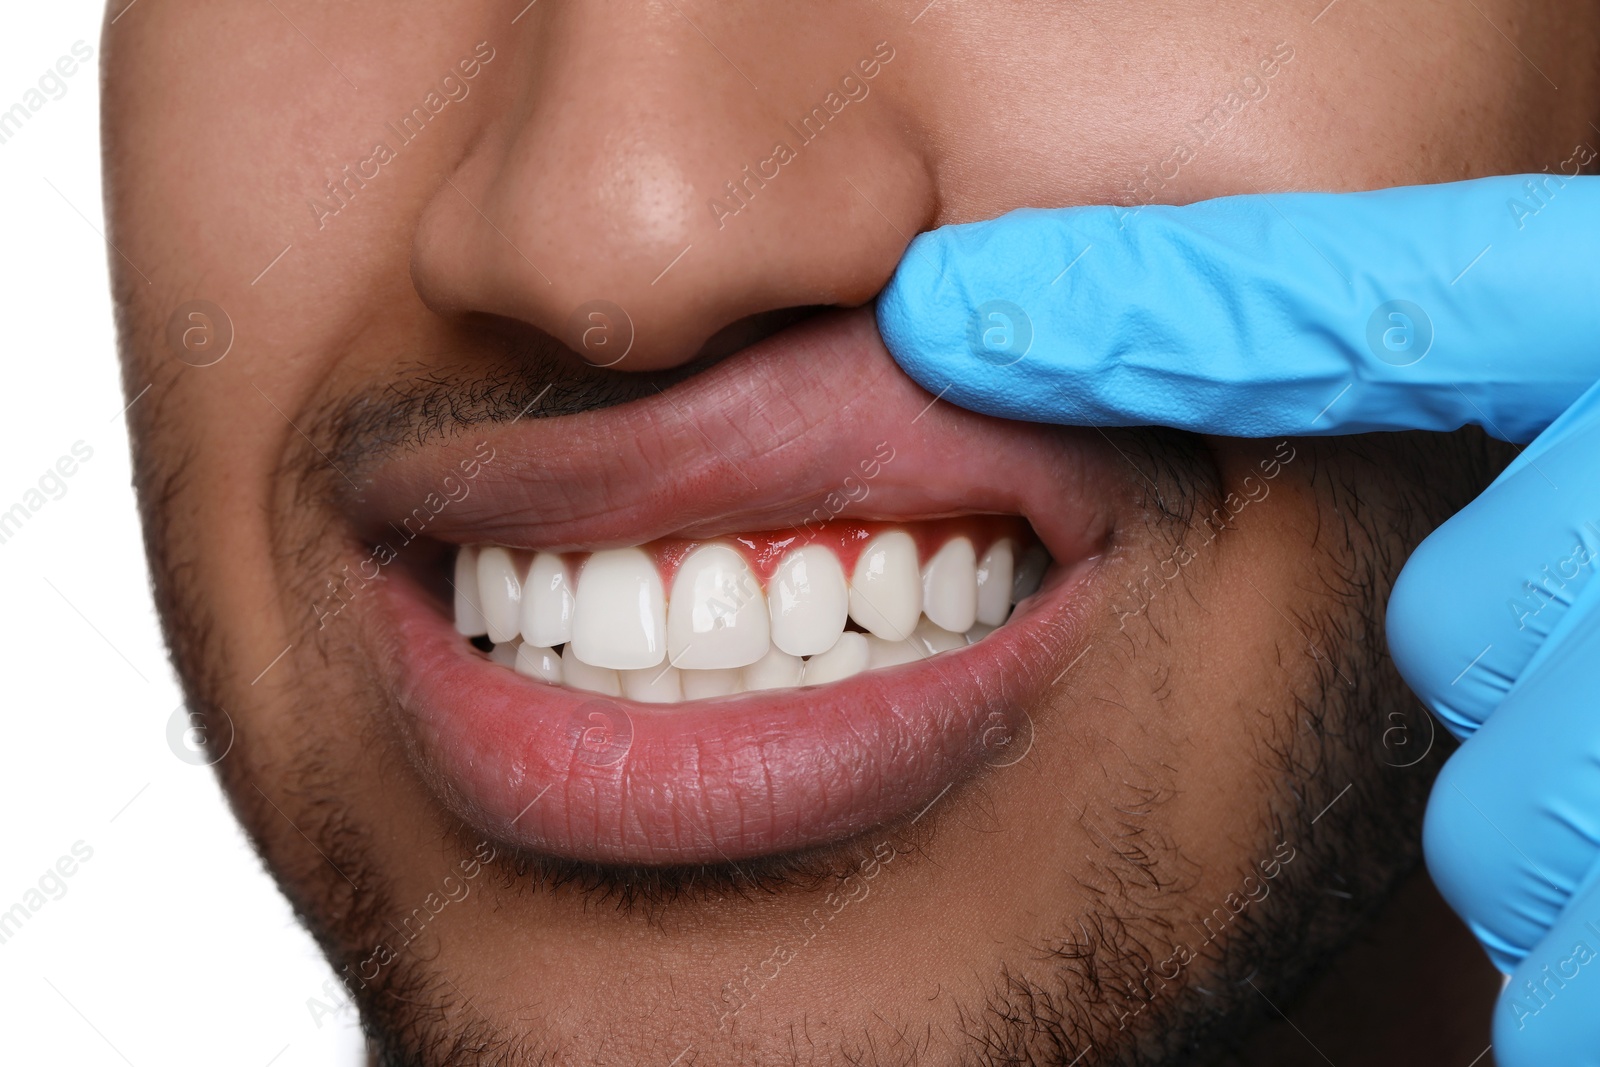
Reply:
x=760, y=441
x=756, y=442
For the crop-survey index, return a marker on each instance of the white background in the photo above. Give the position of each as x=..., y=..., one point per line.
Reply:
x=170, y=945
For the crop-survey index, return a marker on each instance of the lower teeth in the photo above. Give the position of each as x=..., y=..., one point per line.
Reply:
x=720, y=634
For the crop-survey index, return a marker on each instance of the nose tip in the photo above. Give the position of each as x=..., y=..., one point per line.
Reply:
x=590, y=254
x=635, y=209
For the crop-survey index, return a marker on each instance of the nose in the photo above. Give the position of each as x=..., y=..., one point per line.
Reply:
x=642, y=181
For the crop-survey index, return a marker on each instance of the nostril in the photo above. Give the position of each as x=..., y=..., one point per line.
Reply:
x=603, y=334
x=745, y=332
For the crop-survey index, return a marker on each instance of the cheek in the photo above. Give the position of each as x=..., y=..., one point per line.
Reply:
x=1211, y=667
x=1123, y=113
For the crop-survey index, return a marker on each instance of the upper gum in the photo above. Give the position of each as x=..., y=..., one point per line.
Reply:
x=764, y=550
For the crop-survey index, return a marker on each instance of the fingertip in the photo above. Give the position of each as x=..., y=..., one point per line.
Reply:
x=1453, y=832
x=1432, y=645
x=951, y=318
x=910, y=312
x=1514, y=1045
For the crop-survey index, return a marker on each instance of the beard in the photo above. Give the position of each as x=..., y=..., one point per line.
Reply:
x=1149, y=969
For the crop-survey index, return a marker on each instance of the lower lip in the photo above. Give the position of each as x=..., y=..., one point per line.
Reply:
x=605, y=780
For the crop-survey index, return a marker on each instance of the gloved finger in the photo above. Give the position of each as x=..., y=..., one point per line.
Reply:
x=1426, y=307
x=1546, y=1012
x=1512, y=830
x=1480, y=597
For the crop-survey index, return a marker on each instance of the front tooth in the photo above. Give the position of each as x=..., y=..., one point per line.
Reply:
x=886, y=590
x=881, y=653
x=950, y=585
x=776, y=670
x=1030, y=572
x=504, y=654
x=698, y=685
x=994, y=585
x=538, y=662
x=848, y=656
x=577, y=674
x=652, y=685
x=547, y=602
x=716, y=617
x=809, y=601
x=469, y=617
x=499, y=592
x=936, y=639
x=978, y=633
x=619, y=619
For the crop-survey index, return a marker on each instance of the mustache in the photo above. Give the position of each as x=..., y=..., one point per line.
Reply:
x=515, y=374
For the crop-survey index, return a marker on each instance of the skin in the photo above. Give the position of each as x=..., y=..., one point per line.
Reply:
x=1197, y=738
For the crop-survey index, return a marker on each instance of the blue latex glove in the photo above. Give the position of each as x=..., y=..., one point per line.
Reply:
x=1417, y=308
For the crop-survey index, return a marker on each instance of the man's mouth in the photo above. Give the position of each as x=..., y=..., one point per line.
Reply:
x=785, y=602
x=680, y=619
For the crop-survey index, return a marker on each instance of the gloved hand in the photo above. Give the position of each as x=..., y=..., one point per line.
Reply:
x=1296, y=314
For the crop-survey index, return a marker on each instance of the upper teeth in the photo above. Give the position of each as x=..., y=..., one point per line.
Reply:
x=718, y=617
x=719, y=632
x=620, y=619
x=808, y=600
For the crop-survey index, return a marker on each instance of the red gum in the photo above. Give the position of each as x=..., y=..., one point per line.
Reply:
x=764, y=550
